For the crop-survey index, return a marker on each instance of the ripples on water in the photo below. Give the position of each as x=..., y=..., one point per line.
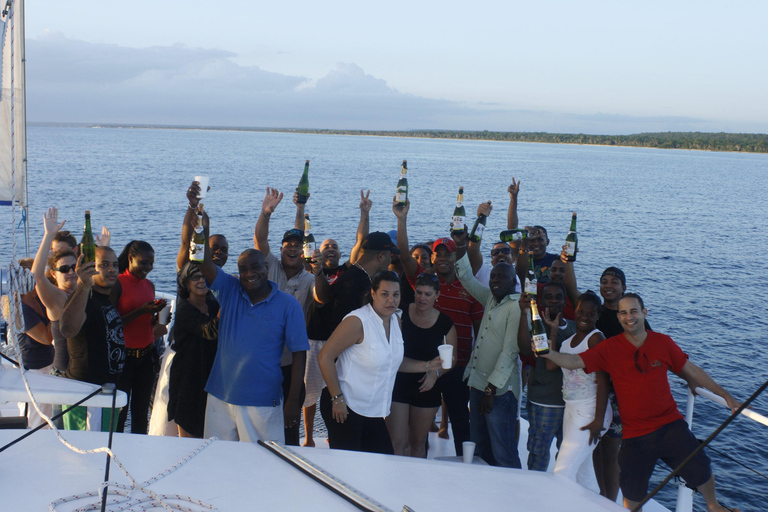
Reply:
x=686, y=227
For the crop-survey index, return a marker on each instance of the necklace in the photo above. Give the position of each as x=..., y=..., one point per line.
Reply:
x=366, y=272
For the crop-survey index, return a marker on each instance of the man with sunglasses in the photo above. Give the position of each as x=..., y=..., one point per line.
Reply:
x=637, y=361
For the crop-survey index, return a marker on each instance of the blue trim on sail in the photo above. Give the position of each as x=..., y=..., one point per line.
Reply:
x=5, y=203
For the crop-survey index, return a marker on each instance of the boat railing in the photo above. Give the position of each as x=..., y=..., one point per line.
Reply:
x=684, y=494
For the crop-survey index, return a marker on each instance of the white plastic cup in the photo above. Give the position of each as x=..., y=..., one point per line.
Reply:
x=446, y=354
x=468, y=450
x=203, y=181
x=165, y=315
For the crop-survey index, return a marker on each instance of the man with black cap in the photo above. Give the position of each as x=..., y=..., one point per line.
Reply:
x=291, y=277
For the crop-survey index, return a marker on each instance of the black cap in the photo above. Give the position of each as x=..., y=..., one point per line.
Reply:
x=615, y=271
x=379, y=241
x=293, y=233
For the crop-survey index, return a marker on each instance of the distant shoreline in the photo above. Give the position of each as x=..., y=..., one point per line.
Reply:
x=701, y=141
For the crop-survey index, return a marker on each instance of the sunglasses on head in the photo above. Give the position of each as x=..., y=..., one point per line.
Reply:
x=431, y=277
x=503, y=250
x=64, y=269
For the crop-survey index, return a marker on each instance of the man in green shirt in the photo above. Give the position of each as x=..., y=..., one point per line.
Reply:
x=492, y=374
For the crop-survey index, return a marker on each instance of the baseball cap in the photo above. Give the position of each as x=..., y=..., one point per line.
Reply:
x=447, y=242
x=615, y=271
x=379, y=241
x=293, y=234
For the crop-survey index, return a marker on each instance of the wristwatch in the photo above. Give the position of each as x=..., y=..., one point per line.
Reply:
x=489, y=391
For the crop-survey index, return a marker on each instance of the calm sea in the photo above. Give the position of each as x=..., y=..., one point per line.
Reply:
x=686, y=227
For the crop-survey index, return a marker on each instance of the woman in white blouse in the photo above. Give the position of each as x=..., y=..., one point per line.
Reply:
x=368, y=344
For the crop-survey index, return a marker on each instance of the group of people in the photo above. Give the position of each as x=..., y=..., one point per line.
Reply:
x=361, y=337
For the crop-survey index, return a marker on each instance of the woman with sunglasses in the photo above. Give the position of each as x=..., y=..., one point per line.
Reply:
x=416, y=399
x=368, y=344
x=586, y=397
x=196, y=334
x=138, y=308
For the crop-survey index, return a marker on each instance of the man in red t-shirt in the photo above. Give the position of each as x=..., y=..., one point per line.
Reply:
x=637, y=361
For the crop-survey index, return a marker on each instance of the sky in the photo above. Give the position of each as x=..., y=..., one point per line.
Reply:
x=605, y=67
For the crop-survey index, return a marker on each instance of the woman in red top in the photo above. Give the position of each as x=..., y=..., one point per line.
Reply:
x=137, y=307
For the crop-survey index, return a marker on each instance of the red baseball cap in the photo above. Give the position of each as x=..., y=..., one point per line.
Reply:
x=447, y=242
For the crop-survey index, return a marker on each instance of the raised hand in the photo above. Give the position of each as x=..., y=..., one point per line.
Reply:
x=365, y=203
x=296, y=197
x=192, y=192
x=105, y=238
x=85, y=271
x=514, y=188
x=484, y=209
x=51, y=221
x=271, y=200
x=401, y=211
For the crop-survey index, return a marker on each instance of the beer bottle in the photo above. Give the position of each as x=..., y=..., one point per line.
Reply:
x=476, y=235
x=309, y=239
x=401, y=196
x=512, y=235
x=531, y=284
x=572, y=241
x=197, y=242
x=87, y=244
x=303, y=188
x=538, y=331
x=459, y=214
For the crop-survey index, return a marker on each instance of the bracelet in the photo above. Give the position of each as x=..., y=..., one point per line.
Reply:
x=427, y=367
x=437, y=372
x=338, y=402
x=192, y=207
x=337, y=396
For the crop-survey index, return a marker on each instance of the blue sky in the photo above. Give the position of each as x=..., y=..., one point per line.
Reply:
x=585, y=66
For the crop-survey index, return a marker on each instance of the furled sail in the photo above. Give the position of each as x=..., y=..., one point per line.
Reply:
x=13, y=147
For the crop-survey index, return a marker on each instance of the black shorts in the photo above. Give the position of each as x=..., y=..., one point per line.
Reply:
x=671, y=443
x=407, y=391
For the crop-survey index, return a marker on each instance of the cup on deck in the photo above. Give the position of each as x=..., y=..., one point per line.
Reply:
x=446, y=354
x=468, y=450
x=164, y=316
x=203, y=181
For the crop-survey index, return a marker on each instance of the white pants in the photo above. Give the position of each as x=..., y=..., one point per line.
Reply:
x=243, y=423
x=34, y=420
x=574, y=460
x=313, y=379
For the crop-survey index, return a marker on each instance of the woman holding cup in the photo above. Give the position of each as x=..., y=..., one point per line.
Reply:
x=416, y=399
x=359, y=363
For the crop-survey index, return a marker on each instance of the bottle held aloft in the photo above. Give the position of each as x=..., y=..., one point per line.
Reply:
x=401, y=195
x=87, y=243
x=538, y=331
x=309, y=239
x=459, y=218
x=572, y=241
x=197, y=242
x=476, y=235
x=302, y=191
x=531, y=283
x=513, y=235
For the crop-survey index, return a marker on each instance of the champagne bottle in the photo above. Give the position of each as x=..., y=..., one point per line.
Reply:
x=477, y=230
x=197, y=242
x=513, y=235
x=572, y=241
x=538, y=331
x=401, y=196
x=459, y=214
x=531, y=284
x=303, y=188
x=309, y=239
x=87, y=244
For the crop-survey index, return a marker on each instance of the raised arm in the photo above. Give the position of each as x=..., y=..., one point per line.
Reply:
x=105, y=238
x=480, y=292
x=524, y=337
x=323, y=293
x=513, y=190
x=697, y=377
x=473, y=249
x=298, y=222
x=571, y=287
x=410, y=265
x=261, y=232
x=188, y=227
x=52, y=298
x=73, y=315
x=363, y=227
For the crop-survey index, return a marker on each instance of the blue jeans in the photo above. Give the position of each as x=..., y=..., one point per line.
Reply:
x=495, y=434
x=546, y=424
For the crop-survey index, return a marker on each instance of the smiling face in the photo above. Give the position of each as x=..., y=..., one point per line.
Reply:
x=219, y=250
x=141, y=264
x=196, y=284
x=538, y=244
x=557, y=272
x=253, y=273
x=422, y=257
x=330, y=253
x=386, y=299
x=292, y=253
x=502, y=280
x=442, y=261
x=64, y=273
x=586, y=316
x=632, y=315
x=552, y=299
x=501, y=252
x=107, y=267
x=611, y=288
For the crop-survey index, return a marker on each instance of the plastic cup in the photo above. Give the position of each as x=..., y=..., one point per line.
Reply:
x=468, y=450
x=203, y=181
x=446, y=354
x=165, y=315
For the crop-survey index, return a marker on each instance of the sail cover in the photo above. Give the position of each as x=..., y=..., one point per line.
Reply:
x=12, y=140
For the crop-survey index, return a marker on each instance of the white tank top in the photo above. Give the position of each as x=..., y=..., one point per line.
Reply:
x=367, y=370
x=578, y=385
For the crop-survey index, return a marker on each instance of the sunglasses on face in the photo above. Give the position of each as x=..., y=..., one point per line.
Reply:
x=504, y=250
x=64, y=269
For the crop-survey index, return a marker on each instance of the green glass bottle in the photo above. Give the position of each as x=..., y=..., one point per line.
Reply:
x=538, y=331
x=572, y=241
x=303, y=188
x=309, y=239
x=512, y=235
x=531, y=284
x=87, y=243
x=476, y=235
x=459, y=214
x=401, y=196
x=197, y=242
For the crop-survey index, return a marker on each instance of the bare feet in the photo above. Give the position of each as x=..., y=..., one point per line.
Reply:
x=309, y=442
x=720, y=508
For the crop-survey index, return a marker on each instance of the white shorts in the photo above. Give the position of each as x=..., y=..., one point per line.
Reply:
x=243, y=423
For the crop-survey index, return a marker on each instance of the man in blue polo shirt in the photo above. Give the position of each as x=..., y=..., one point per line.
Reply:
x=245, y=396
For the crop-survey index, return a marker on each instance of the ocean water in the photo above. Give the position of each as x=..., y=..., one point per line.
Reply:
x=686, y=227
